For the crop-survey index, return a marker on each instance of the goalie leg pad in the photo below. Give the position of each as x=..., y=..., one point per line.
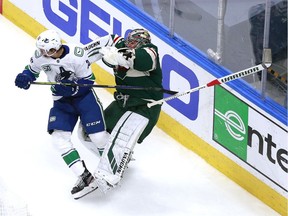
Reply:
x=119, y=149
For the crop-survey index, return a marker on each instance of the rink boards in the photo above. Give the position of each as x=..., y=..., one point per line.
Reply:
x=232, y=131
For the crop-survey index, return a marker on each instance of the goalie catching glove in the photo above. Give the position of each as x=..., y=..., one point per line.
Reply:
x=114, y=57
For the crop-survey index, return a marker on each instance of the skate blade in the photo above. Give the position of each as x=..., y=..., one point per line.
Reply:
x=84, y=192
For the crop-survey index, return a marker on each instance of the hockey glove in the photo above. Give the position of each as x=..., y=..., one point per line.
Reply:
x=113, y=58
x=66, y=88
x=24, y=79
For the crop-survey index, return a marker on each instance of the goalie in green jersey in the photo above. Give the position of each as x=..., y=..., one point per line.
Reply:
x=135, y=62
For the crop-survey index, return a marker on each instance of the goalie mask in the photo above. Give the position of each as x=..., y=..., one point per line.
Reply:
x=48, y=42
x=137, y=38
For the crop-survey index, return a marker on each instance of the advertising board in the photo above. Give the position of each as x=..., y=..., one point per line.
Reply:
x=251, y=136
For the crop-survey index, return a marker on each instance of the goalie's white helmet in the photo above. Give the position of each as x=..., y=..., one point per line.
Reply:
x=137, y=38
x=49, y=41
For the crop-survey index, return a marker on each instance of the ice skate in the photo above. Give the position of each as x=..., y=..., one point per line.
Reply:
x=84, y=185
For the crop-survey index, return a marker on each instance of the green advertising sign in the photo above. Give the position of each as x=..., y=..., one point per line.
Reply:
x=230, y=128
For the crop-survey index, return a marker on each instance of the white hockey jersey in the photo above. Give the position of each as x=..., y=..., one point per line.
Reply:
x=73, y=65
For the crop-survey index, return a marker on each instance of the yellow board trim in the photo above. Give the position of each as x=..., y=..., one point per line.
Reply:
x=102, y=76
x=180, y=133
x=225, y=165
x=21, y=19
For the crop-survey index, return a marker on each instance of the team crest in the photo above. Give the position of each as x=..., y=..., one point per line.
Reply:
x=63, y=75
x=46, y=68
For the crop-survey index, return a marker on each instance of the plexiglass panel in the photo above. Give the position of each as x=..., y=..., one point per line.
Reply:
x=232, y=32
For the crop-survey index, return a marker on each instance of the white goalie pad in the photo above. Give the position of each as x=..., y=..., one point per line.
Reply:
x=118, y=151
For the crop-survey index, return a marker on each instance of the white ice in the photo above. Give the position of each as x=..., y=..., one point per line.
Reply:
x=166, y=178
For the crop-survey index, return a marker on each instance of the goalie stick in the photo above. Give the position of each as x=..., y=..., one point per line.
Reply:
x=218, y=81
x=110, y=86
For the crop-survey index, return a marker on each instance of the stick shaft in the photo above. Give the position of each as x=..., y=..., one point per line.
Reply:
x=109, y=86
x=218, y=81
x=236, y=75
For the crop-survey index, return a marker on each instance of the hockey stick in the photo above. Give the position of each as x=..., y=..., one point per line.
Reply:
x=219, y=81
x=110, y=86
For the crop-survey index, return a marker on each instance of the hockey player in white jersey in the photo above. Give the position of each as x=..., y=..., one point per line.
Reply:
x=69, y=65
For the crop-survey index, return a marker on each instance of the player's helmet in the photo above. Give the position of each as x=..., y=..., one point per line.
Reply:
x=49, y=41
x=137, y=38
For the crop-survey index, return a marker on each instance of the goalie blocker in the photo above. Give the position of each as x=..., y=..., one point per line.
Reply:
x=119, y=150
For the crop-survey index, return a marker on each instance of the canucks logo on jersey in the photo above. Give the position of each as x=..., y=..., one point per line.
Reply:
x=63, y=75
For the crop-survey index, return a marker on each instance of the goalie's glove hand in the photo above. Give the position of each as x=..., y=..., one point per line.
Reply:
x=114, y=57
x=23, y=81
x=65, y=88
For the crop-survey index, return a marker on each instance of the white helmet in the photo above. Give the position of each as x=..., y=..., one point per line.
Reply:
x=48, y=40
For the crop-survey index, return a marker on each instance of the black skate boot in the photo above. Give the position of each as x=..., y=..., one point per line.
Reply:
x=84, y=185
